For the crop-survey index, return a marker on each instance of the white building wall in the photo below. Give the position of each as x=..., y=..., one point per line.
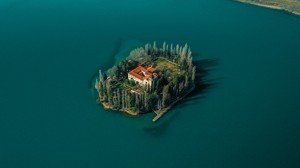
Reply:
x=141, y=82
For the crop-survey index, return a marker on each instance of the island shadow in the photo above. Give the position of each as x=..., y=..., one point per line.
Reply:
x=203, y=84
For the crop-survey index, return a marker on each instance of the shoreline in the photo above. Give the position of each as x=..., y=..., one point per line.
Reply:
x=158, y=115
x=161, y=112
x=149, y=78
x=127, y=111
x=274, y=7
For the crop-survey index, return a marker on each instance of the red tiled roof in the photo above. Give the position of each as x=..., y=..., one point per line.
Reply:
x=151, y=69
x=141, y=73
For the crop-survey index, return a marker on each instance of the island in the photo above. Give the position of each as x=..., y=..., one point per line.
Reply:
x=150, y=79
x=292, y=6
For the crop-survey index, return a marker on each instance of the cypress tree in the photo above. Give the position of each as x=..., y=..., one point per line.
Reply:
x=193, y=73
x=147, y=48
x=167, y=48
x=165, y=93
x=164, y=47
x=154, y=47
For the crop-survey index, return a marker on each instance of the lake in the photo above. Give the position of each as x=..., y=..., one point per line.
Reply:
x=50, y=52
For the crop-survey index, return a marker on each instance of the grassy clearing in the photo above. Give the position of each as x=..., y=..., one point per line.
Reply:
x=163, y=64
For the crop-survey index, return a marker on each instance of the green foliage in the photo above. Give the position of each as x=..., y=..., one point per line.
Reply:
x=126, y=82
x=137, y=54
x=131, y=64
x=132, y=83
x=175, y=74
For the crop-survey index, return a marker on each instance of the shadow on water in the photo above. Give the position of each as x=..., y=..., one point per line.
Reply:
x=203, y=85
x=159, y=128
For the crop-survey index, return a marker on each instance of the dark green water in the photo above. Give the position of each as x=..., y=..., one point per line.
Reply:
x=50, y=50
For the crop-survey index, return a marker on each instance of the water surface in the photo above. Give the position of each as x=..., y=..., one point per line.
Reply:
x=50, y=50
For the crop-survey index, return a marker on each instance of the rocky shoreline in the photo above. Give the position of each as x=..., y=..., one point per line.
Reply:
x=291, y=6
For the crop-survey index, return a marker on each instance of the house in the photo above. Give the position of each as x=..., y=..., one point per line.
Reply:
x=143, y=76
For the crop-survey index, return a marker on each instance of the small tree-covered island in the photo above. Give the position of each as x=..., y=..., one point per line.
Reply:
x=150, y=79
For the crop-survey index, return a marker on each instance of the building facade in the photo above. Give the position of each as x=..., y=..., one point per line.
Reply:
x=142, y=76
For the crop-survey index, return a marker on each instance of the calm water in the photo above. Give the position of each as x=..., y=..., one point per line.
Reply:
x=50, y=51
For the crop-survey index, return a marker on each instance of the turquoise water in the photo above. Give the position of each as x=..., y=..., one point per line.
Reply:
x=50, y=51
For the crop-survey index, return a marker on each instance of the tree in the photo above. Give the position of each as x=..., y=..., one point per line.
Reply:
x=100, y=85
x=186, y=81
x=137, y=103
x=123, y=100
x=159, y=104
x=126, y=100
x=167, y=50
x=154, y=46
x=119, y=98
x=108, y=90
x=113, y=72
x=147, y=48
x=177, y=49
x=162, y=89
x=181, y=87
x=165, y=97
x=164, y=47
x=136, y=54
x=98, y=88
x=193, y=73
x=175, y=90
